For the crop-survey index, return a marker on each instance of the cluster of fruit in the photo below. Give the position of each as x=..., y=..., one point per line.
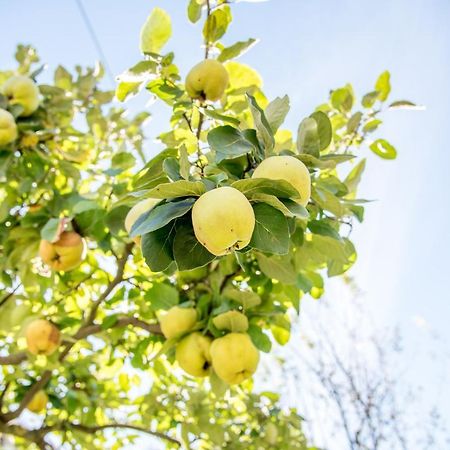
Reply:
x=223, y=221
x=233, y=356
x=21, y=95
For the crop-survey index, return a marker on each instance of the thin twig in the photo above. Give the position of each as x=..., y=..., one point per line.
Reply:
x=117, y=279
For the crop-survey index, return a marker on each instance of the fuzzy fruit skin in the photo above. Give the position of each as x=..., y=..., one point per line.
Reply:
x=234, y=357
x=289, y=169
x=223, y=220
x=64, y=254
x=23, y=91
x=8, y=128
x=38, y=402
x=136, y=211
x=43, y=338
x=177, y=320
x=207, y=80
x=193, y=354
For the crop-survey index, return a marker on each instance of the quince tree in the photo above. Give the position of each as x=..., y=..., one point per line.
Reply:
x=139, y=292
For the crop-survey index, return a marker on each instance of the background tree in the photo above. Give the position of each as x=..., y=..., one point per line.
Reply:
x=351, y=378
x=74, y=169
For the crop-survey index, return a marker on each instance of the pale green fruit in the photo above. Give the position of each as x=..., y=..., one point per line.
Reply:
x=8, y=128
x=136, y=211
x=193, y=356
x=289, y=169
x=232, y=321
x=207, y=80
x=21, y=90
x=223, y=220
x=38, y=402
x=177, y=321
x=234, y=357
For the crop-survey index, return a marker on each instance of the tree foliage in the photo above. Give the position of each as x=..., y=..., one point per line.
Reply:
x=78, y=164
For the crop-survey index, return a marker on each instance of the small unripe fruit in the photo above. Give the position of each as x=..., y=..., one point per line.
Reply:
x=223, y=220
x=8, y=128
x=177, y=321
x=193, y=355
x=43, y=338
x=289, y=169
x=38, y=403
x=65, y=254
x=207, y=80
x=136, y=211
x=23, y=91
x=234, y=357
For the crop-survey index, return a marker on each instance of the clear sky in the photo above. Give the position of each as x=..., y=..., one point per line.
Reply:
x=308, y=47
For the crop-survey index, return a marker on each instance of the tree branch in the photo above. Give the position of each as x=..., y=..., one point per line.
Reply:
x=37, y=386
x=14, y=359
x=122, y=322
x=116, y=280
x=95, y=429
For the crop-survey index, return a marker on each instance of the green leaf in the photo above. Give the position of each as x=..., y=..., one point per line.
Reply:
x=228, y=143
x=194, y=10
x=162, y=296
x=160, y=216
x=52, y=229
x=248, y=299
x=263, y=130
x=188, y=252
x=171, y=167
x=323, y=228
x=217, y=24
x=176, y=189
x=342, y=99
x=276, y=111
x=237, y=49
x=354, y=177
x=185, y=165
x=157, y=247
x=278, y=188
x=218, y=386
x=314, y=134
x=156, y=31
x=271, y=233
x=369, y=99
x=324, y=129
x=371, y=125
x=259, y=338
x=406, y=104
x=384, y=149
x=354, y=122
x=279, y=268
x=215, y=115
x=109, y=321
x=383, y=86
x=288, y=207
x=115, y=219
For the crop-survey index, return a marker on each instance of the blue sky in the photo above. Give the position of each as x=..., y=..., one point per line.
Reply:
x=308, y=47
